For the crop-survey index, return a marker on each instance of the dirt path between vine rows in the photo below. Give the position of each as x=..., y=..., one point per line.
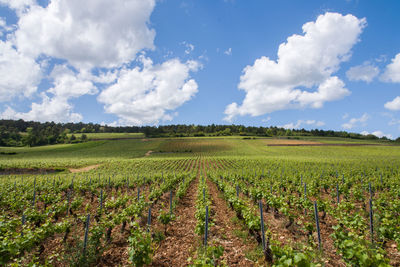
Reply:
x=222, y=233
x=181, y=240
x=84, y=169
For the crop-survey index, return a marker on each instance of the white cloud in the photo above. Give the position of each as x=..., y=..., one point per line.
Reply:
x=365, y=72
x=345, y=116
x=356, y=121
x=379, y=134
x=394, y=104
x=304, y=61
x=19, y=75
x=66, y=85
x=90, y=33
x=392, y=71
x=18, y=5
x=148, y=94
x=4, y=27
x=51, y=109
x=189, y=47
x=302, y=122
x=228, y=52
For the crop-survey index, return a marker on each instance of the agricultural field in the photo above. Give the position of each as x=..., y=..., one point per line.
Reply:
x=205, y=201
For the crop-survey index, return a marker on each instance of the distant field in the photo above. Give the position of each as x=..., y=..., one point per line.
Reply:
x=92, y=152
x=102, y=136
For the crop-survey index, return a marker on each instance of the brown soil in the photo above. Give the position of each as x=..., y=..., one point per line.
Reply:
x=12, y=171
x=393, y=253
x=181, y=240
x=148, y=153
x=321, y=144
x=84, y=169
x=222, y=233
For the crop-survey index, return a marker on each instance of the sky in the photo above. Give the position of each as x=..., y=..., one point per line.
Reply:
x=332, y=65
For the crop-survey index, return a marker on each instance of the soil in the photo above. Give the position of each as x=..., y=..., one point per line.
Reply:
x=222, y=233
x=12, y=171
x=321, y=144
x=84, y=169
x=148, y=153
x=181, y=240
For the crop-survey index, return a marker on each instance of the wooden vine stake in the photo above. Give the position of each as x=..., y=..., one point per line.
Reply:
x=305, y=197
x=237, y=191
x=337, y=193
x=86, y=233
x=265, y=245
x=262, y=225
x=170, y=202
x=149, y=220
x=138, y=193
x=206, y=228
x=371, y=220
x=317, y=224
x=22, y=224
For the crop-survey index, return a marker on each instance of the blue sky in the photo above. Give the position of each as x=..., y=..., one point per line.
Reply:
x=297, y=64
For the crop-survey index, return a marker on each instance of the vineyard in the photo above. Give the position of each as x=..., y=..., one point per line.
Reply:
x=200, y=202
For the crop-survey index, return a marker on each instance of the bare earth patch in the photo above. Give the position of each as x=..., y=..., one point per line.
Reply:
x=14, y=171
x=84, y=169
x=148, y=153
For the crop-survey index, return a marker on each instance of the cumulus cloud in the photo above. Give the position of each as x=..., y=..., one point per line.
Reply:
x=18, y=5
x=67, y=85
x=394, y=104
x=302, y=74
x=98, y=40
x=365, y=72
x=392, y=71
x=51, y=109
x=4, y=28
x=90, y=33
x=19, y=75
x=379, y=134
x=302, y=122
x=353, y=122
x=147, y=95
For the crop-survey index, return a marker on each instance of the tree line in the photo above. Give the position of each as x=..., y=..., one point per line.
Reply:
x=30, y=133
